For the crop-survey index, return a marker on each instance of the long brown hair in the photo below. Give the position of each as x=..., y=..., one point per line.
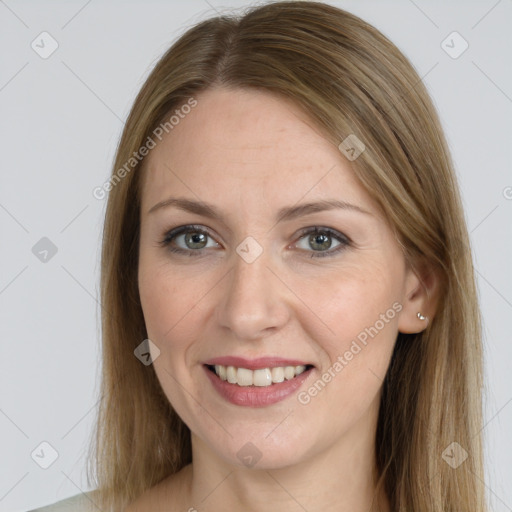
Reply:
x=350, y=80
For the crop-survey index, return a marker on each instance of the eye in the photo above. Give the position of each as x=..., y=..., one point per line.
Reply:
x=320, y=240
x=188, y=240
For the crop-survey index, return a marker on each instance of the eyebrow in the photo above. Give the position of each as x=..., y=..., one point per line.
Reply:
x=287, y=213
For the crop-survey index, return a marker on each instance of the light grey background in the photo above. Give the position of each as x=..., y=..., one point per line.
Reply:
x=61, y=118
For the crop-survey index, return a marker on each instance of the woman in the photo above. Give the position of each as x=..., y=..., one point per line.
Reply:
x=289, y=308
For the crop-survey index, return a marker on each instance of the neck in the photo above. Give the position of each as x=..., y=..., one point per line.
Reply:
x=341, y=478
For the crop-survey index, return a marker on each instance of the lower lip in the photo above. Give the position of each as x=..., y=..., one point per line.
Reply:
x=256, y=396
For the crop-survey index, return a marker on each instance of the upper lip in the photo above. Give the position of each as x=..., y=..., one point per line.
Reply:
x=255, y=364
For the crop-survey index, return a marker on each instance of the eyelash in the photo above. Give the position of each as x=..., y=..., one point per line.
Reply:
x=173, y=233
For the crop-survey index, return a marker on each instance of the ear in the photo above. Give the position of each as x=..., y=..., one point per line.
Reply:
x=421, y=294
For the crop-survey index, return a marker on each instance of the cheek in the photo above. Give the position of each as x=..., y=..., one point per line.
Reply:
x=177, y=308
x=357, y=306
x=352, y=299
x=167, y=302
x=361, y=310
x=172, y=311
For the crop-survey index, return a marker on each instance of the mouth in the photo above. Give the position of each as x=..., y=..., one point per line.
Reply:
x=256, y=382
x=261, y=377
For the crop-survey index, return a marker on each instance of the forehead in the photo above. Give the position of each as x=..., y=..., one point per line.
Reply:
x=243, y=144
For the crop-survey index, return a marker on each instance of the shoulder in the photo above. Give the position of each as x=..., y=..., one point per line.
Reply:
x=170, y=494
x=83, y=502
x=155, y=499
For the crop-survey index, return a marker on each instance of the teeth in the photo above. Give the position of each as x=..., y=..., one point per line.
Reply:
x=221, y=371
x=231, y=374
x=289, y=372
x=244, y=377
x=277, y=374
x=261, y=378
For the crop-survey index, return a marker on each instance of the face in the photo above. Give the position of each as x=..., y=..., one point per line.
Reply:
x=303, y=303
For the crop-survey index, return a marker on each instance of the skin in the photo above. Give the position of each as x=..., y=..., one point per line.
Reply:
x=251, y=153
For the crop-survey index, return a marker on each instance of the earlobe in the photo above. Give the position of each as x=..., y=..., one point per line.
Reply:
x=419, y=301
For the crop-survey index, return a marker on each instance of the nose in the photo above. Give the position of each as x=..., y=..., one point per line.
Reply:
x=253, y=303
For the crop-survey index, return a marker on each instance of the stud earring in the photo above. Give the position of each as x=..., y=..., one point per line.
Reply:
x=421, y=317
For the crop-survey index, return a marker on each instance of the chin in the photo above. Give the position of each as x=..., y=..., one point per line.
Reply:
x=261, y=451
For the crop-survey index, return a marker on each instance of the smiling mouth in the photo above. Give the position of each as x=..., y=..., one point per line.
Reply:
x=262, y=377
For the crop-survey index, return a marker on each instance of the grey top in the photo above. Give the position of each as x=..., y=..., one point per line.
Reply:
x=83, y=502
